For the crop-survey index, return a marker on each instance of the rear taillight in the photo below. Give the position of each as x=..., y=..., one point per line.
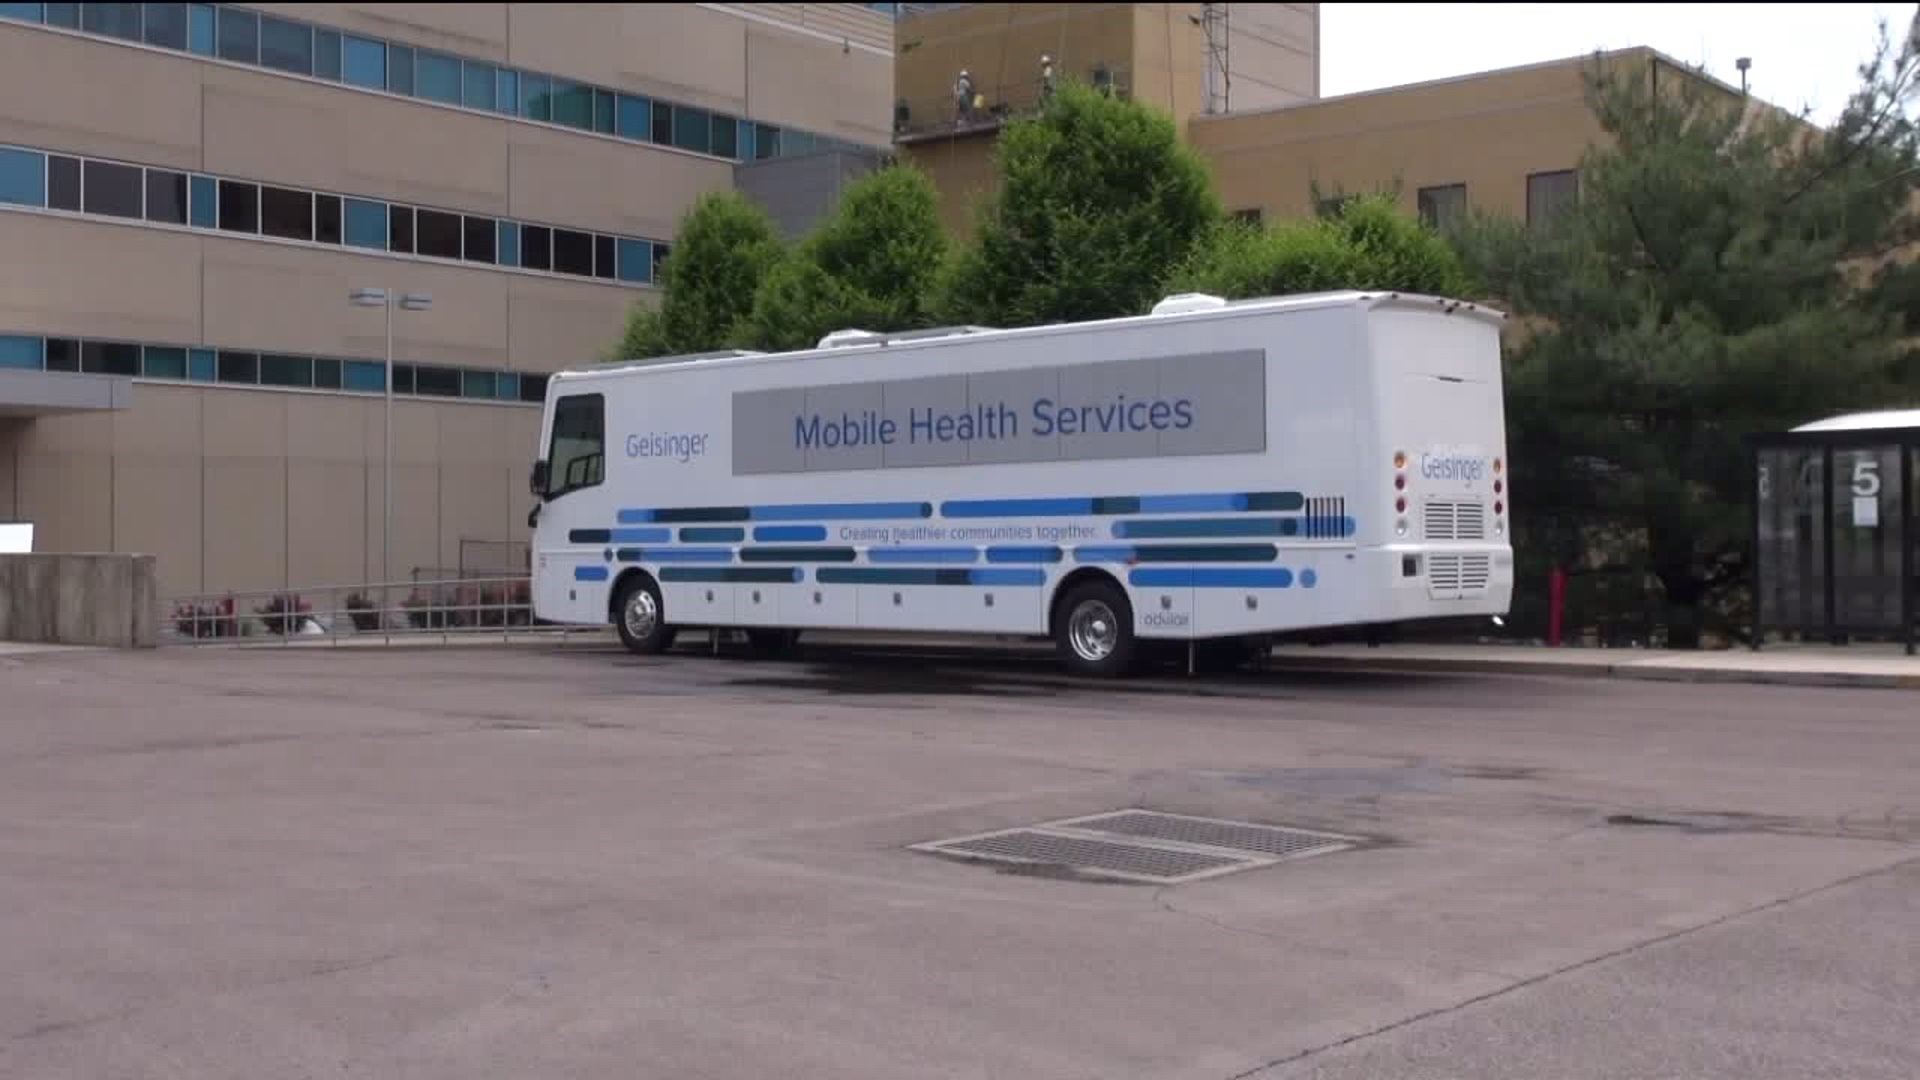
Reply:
x=1400, y=484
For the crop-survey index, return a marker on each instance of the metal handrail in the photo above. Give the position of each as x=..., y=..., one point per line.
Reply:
x=329, y=614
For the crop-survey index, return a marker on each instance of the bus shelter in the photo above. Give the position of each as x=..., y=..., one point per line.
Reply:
x=1836, y=550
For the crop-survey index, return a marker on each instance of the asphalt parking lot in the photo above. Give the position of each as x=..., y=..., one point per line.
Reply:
x=474, y=863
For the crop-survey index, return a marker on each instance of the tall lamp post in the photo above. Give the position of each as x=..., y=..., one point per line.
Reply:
x=386, y=298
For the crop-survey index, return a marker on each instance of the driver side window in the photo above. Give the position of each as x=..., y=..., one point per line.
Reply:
x=576, y=457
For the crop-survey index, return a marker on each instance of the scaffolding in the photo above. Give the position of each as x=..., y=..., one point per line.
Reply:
x=1213, y=29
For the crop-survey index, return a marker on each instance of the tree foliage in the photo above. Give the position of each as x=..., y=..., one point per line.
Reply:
x=871, y=265
x=1714, y=279
x=724, y=249
x=1098, y=200
x=1369, y=244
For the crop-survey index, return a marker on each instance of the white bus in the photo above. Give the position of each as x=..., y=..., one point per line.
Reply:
x=1213, y=472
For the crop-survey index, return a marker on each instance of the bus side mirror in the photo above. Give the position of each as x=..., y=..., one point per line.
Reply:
x=537, y=482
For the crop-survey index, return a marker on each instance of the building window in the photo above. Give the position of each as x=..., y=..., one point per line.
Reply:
x=573, y=105
x=604, y=104
x=1252, y=216
x=203, y=203
x=661, y=126
x=1549, y=193
x=766, y=142
x=63, y=183
x=437, y=78
x=478, y=384
x=636, y=262
x=109, y=358
x=536, y=247
x=22, y=353
x=365, y=376
x=23, y=177
x=167, y=26
x=200, y=29
x=507, y=98
x=400, y=229
x=692, y=129
x=286, y=46
x=403, y=378
x=535, y=97
x=286, y=214
x=63, y=354
x=509, y=243
x=572, y=252
x=163, y=362
x=24, y=13
x=239, y=367
x=1443, y=206
x=166, y=196
x=533, y=388
x=660, y=253
x=437, y=233
x=400, y=69
x=326, y=54
x=364, y=63
x=112, y=190
x=603, y=257
x=367, y=224
x=326, y=218
x=113, y=20
x=482, y=86
x=200, y=365
x=632, y=122
x=431, y=381
x=285, y=370
x=239, y=35
x=1332, y=206
x=326, y=374
x=239, y=207
x=478, y=239
x=726, y=136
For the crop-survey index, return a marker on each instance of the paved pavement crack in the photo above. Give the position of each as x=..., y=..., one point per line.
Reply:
x=1577, y=966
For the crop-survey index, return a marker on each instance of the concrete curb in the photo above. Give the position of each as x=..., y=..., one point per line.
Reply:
x=1638, y=670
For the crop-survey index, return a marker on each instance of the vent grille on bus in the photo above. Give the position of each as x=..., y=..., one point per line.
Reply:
x=1458, y=575
x=1456, y=521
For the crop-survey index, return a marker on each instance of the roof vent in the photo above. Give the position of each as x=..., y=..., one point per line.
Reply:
x=1183, y=303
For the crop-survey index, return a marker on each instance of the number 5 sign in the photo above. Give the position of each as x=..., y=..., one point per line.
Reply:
x=1866, y=492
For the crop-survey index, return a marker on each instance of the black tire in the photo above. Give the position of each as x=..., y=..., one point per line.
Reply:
x=1093, y=631
x=642, y=636
x=768, y=643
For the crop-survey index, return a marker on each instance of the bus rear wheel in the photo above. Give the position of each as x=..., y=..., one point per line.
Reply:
x=641, y=618
x=1094, y=631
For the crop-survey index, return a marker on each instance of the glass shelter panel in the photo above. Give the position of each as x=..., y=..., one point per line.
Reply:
x=1791, y=535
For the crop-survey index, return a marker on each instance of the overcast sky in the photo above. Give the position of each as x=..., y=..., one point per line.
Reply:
x=1803, y=54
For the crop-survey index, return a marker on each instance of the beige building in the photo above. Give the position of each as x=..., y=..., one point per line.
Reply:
x=190, y=192
x=1188, y=60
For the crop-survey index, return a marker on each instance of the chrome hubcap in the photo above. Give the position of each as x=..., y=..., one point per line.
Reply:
x=1093, y=631
x=641, y=615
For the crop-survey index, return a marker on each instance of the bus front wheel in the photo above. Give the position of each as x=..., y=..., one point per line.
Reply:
x=641, y=618
x=1094, y=631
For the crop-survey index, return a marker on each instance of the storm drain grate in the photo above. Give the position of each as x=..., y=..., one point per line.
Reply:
x=1144, y=846
x=1133, y=860
x=1212, y=832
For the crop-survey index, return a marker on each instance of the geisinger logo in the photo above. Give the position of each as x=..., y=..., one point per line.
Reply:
x=1463, y=467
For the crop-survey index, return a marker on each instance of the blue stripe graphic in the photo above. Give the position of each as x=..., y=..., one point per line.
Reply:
x=922, y=555
x=589, y=573
x=640, y=536
x=980, y=508
x=841, y=511
x=1007, y=577
x=676, y=555
x=790, y=533
x=712, y=535
x=763, y=575
x=1023, y=554
x=1192, y=504
x=1188, y=528
x=1116, y=553
x=1211, y=578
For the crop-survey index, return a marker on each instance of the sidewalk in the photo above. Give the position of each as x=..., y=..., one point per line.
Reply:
x=1792, y=665
x=1883, y=666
